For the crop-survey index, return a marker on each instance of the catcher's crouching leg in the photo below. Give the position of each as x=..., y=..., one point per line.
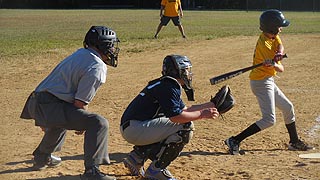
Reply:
x=173, y=145
x=169, y=151
x=223, y=99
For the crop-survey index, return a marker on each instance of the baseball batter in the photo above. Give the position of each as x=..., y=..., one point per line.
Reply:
x=269, y=50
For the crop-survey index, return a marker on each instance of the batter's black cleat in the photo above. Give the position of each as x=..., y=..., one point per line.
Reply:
x=94, y=173
x=299, y=146
x=42, y=161
x=233, y=146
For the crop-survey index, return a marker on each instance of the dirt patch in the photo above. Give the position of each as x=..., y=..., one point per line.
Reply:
x=205, y=157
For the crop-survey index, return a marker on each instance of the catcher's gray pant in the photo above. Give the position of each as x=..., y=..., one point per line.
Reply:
x=150, y=131
x=96, y=128
x=270, y=96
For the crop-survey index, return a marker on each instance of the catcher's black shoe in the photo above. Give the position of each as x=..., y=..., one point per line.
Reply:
x=135, y=164
x=94, y=173
x=154, y=173
x=299, y=146
x=42, y=161
x=233, y=145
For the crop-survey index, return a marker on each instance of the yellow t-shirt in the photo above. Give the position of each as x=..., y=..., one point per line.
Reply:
x=171, y=7
x=265, y=49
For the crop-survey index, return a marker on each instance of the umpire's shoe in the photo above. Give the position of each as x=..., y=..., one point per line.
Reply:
x=42, y=161
x=93, y=173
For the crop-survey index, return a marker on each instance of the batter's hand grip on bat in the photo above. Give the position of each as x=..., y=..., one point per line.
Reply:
x=229, y=75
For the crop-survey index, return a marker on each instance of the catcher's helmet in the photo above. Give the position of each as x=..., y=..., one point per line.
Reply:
x=178, y=67
x=271, y=20
x=106, y=41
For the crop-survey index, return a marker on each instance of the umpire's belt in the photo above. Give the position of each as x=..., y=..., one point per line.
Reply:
x=125, y=125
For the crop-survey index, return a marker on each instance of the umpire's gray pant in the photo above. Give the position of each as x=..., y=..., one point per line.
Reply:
x=96, y=130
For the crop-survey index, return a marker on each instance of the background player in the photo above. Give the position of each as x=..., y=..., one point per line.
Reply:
x=170, y=10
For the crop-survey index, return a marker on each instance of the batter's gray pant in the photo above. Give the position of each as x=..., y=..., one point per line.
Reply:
x=270, y=96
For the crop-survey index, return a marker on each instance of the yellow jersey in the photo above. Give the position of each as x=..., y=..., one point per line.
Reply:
x=171, y=7
x=266, y=48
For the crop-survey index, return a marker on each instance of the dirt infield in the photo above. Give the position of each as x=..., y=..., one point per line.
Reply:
x=205, y=158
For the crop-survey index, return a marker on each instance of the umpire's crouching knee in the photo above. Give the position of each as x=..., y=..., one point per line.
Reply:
x=98, y=122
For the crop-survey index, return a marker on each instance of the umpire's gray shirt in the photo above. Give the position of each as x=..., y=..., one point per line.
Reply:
x=77, y=77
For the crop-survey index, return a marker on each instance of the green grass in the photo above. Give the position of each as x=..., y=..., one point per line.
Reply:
x=27, y=32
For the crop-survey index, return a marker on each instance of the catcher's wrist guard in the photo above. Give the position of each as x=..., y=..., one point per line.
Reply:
x=223, y=100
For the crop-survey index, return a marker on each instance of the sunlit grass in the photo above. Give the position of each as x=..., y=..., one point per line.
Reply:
x=27, y=32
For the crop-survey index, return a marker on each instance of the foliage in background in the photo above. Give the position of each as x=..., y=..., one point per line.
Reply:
x=28, y=32
x=288, y=5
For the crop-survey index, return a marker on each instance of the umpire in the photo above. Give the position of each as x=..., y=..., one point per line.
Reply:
x=60, y=103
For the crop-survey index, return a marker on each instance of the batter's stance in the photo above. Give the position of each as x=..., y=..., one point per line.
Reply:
x=269, y=49
x=60, y=103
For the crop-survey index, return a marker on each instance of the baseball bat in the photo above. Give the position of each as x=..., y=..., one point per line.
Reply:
x=229, y=75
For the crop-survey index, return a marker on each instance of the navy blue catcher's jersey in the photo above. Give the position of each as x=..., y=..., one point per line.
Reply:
x=161, y=97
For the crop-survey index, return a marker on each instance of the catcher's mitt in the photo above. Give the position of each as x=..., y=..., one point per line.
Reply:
x=223, y=99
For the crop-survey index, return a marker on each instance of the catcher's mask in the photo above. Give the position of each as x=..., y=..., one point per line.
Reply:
x=179, y=67
x=271, y=20
x=106, y=41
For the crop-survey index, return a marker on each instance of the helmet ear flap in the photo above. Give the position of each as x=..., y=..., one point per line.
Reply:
x=169, y=67
x=91, y=37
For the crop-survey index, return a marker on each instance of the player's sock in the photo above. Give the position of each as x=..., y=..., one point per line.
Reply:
x=254, y=128
x=292, y=132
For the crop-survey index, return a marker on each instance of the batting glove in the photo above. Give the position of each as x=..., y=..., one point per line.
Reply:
x=269, y=62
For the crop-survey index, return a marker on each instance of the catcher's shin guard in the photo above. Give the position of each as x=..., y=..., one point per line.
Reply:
x=173, y=145
x=148, y=151
x=169, y=152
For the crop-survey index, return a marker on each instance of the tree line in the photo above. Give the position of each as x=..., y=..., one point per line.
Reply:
x=293, y=5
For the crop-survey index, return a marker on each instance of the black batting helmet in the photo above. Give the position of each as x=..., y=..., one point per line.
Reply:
x=271, y=20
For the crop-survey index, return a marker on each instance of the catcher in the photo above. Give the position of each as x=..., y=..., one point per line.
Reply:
x=158, y=123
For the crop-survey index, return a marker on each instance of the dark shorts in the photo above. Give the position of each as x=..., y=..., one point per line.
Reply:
x=165, y=20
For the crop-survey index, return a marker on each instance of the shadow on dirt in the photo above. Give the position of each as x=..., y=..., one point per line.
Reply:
x=242, y=152
x=59, y=178
x=115, y=158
